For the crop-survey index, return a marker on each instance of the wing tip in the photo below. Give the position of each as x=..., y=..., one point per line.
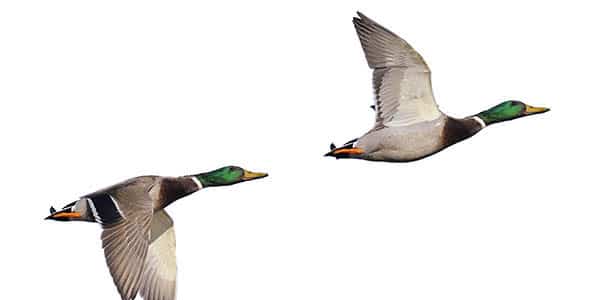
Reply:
x=360, y=18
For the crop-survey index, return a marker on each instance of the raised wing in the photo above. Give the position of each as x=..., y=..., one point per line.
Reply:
x=161, y=270
x=401, y=78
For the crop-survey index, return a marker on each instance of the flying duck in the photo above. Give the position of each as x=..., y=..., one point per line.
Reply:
x=408, y=123
x=138, y=236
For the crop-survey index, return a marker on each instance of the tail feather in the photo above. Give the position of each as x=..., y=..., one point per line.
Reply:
x=333, y=149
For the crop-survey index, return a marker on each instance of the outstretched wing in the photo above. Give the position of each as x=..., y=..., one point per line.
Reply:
x=125, y=247
x=125, y=212
x=401, y=78
x=160, y=272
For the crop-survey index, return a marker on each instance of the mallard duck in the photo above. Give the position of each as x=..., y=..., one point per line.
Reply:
x=408, y=124
x=138, y=236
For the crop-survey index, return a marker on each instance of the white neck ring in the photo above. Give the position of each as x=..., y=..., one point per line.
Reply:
x=479, y=120
x=197, y=182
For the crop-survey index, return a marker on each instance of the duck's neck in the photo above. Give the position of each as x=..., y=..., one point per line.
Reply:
x=456, y=130
x=172, y=189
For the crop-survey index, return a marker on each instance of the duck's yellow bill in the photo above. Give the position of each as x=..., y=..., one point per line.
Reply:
x=535, y=110
x=253, y=175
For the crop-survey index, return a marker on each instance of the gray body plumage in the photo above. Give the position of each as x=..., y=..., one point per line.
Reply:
x=403, y=144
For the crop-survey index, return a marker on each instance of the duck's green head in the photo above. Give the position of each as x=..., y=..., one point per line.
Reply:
x=509, y=110
x=227, y=176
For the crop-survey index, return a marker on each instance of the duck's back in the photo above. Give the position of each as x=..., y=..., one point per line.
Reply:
x=112, y=203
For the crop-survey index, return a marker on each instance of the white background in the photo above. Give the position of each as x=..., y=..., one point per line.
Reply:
x=96, y=92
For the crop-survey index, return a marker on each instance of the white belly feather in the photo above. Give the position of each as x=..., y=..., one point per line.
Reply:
x=404, y=143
